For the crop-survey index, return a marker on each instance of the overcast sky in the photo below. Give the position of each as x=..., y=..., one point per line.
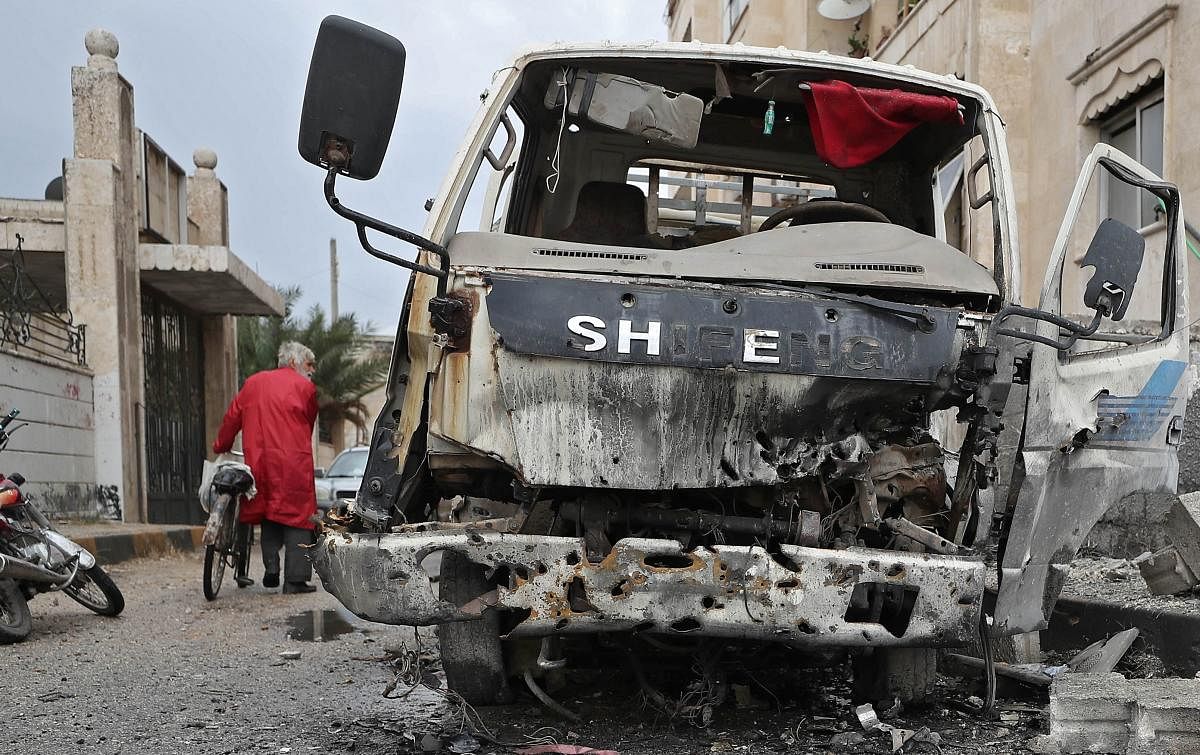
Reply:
x=230, y=75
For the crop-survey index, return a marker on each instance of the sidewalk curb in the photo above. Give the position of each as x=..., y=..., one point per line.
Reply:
x=122, y=546
x=1173, y=636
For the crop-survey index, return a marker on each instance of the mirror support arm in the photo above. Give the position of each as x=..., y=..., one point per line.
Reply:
x=363, y=222
x=1075, y=330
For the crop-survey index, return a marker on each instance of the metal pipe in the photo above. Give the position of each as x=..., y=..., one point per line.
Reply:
x=19, y=569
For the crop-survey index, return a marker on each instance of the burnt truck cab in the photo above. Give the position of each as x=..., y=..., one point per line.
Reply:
x=736, y=349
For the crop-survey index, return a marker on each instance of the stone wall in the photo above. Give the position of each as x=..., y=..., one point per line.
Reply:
x=55, y=451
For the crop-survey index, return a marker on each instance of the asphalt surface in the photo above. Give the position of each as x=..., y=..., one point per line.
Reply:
x=177, y=674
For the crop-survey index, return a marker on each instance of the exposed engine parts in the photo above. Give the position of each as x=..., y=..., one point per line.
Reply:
x=857, y=491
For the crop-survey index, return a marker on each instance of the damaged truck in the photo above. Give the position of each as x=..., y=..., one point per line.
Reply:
x=729, y=342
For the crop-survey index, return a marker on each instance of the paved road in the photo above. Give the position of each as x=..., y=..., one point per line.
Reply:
x=174, y=673
x=177, y=674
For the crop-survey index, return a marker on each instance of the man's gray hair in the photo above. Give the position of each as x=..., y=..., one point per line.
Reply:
x=294, y=353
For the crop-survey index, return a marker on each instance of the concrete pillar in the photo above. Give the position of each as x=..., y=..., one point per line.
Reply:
x=998, y=59
x=102, y=264
x=208, y=224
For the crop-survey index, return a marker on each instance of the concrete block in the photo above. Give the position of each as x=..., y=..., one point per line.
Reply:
x=1109, y=713
x=1166, y=573
x=1183, y=528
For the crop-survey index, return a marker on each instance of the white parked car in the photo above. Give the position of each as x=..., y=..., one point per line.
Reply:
x=343, y=478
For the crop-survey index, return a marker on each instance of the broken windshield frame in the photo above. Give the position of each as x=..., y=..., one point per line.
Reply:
x=993, y=184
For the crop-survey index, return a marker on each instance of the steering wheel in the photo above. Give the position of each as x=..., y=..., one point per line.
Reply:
x=823, y=210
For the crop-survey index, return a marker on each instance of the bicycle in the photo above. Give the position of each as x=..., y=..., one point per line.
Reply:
x=226, y=541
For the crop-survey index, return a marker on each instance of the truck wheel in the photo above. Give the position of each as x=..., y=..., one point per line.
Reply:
x=884, y=674
x=472, y=655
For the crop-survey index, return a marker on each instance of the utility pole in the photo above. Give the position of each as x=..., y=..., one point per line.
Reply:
x=333, y=280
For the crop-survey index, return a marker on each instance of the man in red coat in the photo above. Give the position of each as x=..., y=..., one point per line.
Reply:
x=275, y=412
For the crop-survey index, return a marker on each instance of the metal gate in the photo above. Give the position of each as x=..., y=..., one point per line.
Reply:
x=173, y=352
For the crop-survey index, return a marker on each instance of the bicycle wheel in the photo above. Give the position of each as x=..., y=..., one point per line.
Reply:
x=215, y=553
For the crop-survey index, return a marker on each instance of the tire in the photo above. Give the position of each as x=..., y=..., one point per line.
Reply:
x=15, y=621
x=94, y=589
x=472, y=655
x=214, y=554
x=214, y=571
x=884, y=674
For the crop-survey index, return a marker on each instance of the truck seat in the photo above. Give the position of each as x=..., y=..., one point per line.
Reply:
x=607, y=212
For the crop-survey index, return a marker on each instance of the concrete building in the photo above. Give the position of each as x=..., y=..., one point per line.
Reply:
x=131, y=261
x=1065, y=76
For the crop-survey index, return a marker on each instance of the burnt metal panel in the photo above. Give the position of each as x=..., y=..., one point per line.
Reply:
x=714, y=327
x=656, y=585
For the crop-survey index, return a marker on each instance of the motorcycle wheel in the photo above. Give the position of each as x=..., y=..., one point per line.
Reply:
x=15, y=621
x=94, y=589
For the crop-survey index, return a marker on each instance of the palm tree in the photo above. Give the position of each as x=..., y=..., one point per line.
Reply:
x=347, y=367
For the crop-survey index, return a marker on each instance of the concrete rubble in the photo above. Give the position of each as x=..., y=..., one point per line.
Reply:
x=1111, y=714
x=1173, y=570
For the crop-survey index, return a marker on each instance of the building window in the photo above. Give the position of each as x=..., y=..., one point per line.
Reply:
x=734, y=9
x=324, y=430
x=905, y=8
x=1136, y=130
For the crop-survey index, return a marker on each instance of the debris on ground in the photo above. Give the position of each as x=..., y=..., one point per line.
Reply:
x=900, y=737
x=804, y=712
x=1102, y=657
x=1098, y=658
x=1165, y=572
x=564, y=750
x=463, y=743
x=1183, y=524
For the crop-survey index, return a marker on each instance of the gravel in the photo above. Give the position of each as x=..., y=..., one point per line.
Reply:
x=1116, y=580
x=177, y=674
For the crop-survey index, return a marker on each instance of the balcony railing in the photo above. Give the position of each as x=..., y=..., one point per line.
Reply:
x=29, y=322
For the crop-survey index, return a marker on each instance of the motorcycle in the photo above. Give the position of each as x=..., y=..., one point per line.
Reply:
x=36, y=558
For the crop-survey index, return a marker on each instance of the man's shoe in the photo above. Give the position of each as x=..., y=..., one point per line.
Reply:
x=271, y=579
x=297, y=587
x=243, y=581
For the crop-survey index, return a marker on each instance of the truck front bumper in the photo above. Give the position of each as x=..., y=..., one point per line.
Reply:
x=804, y=596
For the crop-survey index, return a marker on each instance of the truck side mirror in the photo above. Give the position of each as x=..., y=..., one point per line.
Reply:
x=1116, y=253
x=351, y=97
x=319, y=472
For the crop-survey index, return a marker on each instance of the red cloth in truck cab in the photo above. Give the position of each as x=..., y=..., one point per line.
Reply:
x=852, y=126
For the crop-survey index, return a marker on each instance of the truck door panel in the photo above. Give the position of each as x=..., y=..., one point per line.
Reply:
x=1101, y=415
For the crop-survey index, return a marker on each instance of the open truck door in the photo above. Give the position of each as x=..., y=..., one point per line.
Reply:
x=1108, y=378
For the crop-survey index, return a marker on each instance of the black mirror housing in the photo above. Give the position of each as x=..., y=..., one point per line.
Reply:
x=351, y=97
x=1116, y=254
